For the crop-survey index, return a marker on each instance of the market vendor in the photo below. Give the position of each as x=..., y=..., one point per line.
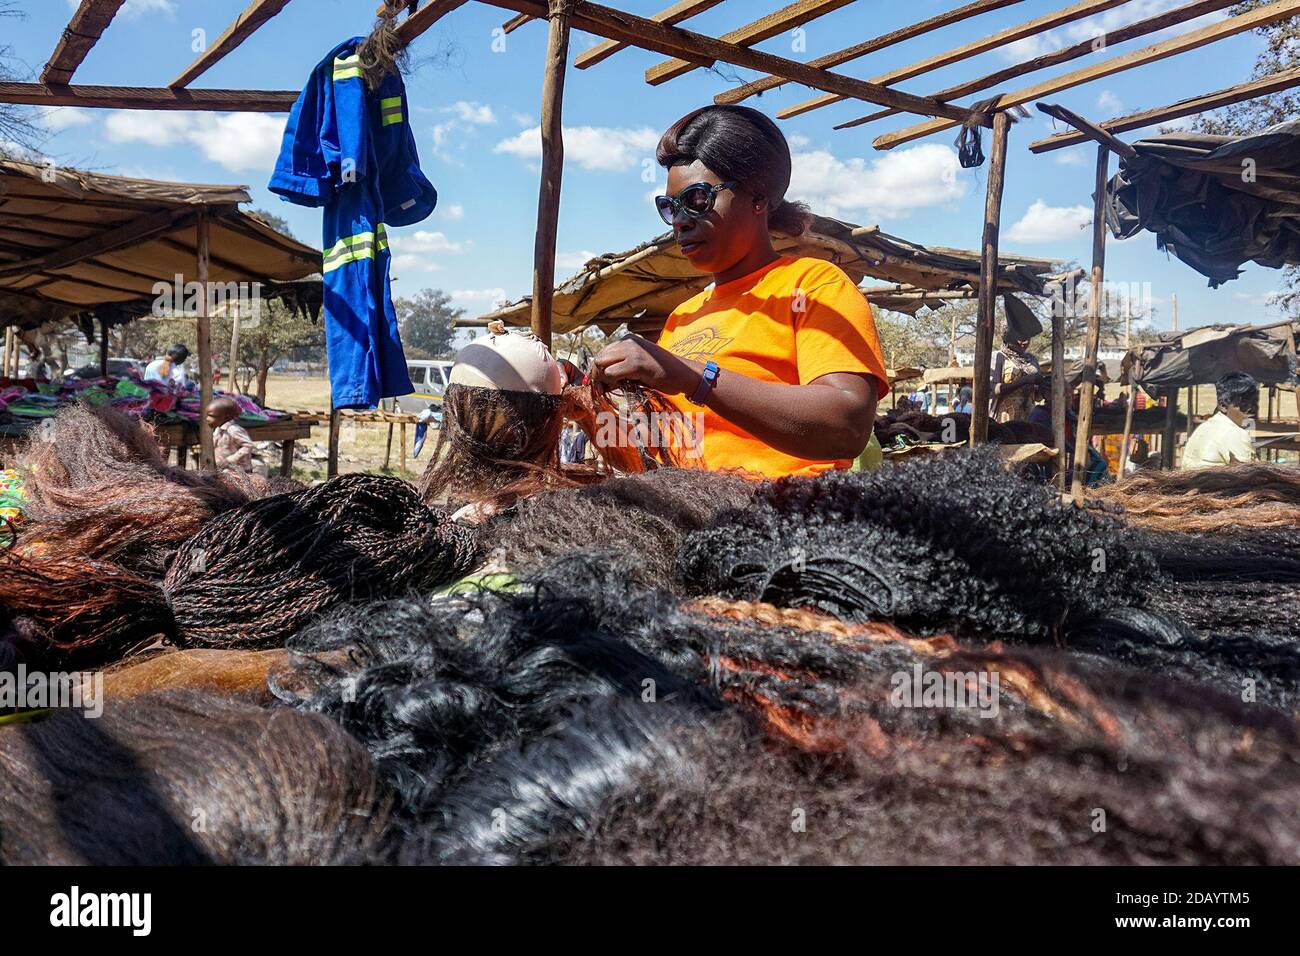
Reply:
x=169, y=368
x=1016, y=372
x=1226, y=436
x=778, y=360
x=232, y=444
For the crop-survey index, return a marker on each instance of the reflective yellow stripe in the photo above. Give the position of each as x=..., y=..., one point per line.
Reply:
x=391, y=110
x=347, y=67
x=354, y=248
x=390, y=102
x=389, y=120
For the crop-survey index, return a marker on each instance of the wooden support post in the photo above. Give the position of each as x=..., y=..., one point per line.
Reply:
x=401, y=456
x=207, y=453
x=1083, y=428
x=1128, y=428
x=9, y=340
x=548, y=198
x=1169, y=444
x=1173, y=302
x=388, y=451
x=103, y=346
x=286, y=458
x=231, y=381
x=332, y=465
x=988, y=294
x=1060, y=396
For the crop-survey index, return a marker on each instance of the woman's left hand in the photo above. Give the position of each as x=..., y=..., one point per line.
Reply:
x=633, y=358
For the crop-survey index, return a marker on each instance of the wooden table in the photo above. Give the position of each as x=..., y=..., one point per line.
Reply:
x=185, y=435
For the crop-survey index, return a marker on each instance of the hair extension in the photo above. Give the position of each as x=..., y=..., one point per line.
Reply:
x=947, y=543
x=1244, y=554
x=1208, y=499
x=232, y=674
x=250, y=577
x=185, y=778
x=493, y=443
x=98, y=487
x=954, y=427
x=645, y=515
x=382, y=53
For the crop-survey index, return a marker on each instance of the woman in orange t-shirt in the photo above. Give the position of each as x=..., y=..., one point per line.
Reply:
x=779, y=359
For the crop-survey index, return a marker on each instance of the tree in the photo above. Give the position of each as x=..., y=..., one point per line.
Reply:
x=18, y=133
x=1281, y=52
x=427, y=323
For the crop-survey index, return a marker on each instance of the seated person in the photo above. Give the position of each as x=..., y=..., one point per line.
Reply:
x=169, y=368
x=1226, y=437
x=232, y=444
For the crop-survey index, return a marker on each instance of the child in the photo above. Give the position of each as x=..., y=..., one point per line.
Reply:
x=233, y=445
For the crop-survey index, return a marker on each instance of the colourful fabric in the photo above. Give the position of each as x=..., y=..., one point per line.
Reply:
x=791, y=322
x=12, y=501
x=353, y=153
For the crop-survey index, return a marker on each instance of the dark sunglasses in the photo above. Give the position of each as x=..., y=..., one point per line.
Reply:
x=696, y=201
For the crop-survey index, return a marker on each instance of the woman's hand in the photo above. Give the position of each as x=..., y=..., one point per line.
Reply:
x=633, y=358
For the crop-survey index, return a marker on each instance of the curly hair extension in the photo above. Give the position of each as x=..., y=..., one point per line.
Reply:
x=1208, y=499
x=946, y=543
x=250, y=577
x=185, y=778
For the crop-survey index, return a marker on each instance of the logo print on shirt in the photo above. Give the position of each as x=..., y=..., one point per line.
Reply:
x=701, y=344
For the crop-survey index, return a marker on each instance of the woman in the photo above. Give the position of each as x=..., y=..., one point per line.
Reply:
x=779, y=358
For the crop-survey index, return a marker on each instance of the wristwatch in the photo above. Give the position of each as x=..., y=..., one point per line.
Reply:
x=707, y=381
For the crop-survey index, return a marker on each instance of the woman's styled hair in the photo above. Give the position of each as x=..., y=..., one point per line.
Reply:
x=1238, y=389
x=740, y=144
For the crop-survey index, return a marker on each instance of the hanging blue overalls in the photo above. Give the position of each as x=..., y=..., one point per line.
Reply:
x=352, y=151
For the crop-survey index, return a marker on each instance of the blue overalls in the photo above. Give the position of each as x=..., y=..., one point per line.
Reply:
x=353, y=152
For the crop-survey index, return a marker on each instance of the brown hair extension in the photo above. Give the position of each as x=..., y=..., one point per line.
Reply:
x=493, y=443
x=637, y=454
x=1255, y=495
x=98, y=487
x=232, y=674
x=382, y=53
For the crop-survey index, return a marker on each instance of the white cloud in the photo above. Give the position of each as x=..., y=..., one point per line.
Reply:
x=58, y=118
x=1110, y=103
x=523, y=119
x=476, y=113
x=574, y=260
x=452, y=212
x=886, y=187
x=416, y=250
x=1071, y=157
x=490, y=296
x=1044, y=223
x=596, y=148
x=139, y=8
x=235, y=141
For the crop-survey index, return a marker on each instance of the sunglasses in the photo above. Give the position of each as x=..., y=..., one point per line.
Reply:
x=696, y=201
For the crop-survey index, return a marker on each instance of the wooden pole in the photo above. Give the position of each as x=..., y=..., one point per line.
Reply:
x=988, y=293
x=1174, y=303
x=231, y=382
x=332, y=464
x=388, y=451
x=103, y=346
x=207, y=453
x=9, y=339
x=1083, y=429
x=1128, y=428
x=1167, y=448
x=401, y=455
x=548, y=198
x=1060, y=398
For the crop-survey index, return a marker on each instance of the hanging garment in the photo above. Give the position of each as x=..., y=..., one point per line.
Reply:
x=351, y=151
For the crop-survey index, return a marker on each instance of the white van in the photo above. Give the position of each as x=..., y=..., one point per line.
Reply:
x=429, y=377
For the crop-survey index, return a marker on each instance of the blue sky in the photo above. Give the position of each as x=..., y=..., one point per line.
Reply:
x=474, y=112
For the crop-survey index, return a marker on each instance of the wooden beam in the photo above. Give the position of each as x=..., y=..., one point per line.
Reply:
x=1089, y=129
x=676, y=41
x=1141, y=28
x=148, y=98
x=207, y=450
x=139, y=230
x=764, y=28
x=548, y=196
x=679, y=12
x=1077, y=11
x=988, y=291
x=1259, y=17
x=79, y=38
x=1083, y=427
x=419, y=21
x=869, y=46
x=246, y=24
x=1263, y=86
x=510, y=26
x=1060, y=395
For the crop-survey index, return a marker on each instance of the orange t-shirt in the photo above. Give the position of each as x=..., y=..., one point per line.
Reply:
x=790, y=322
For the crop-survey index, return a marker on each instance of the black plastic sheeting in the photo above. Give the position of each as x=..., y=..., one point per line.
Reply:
x=1199, y=358
x=1215, y=202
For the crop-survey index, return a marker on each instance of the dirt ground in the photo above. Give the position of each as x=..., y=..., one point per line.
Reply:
x=361, y=445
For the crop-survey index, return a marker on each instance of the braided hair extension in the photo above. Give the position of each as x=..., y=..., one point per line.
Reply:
x=180, y=777
x=947, y=542
x=646, y=515
x=250, y=577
